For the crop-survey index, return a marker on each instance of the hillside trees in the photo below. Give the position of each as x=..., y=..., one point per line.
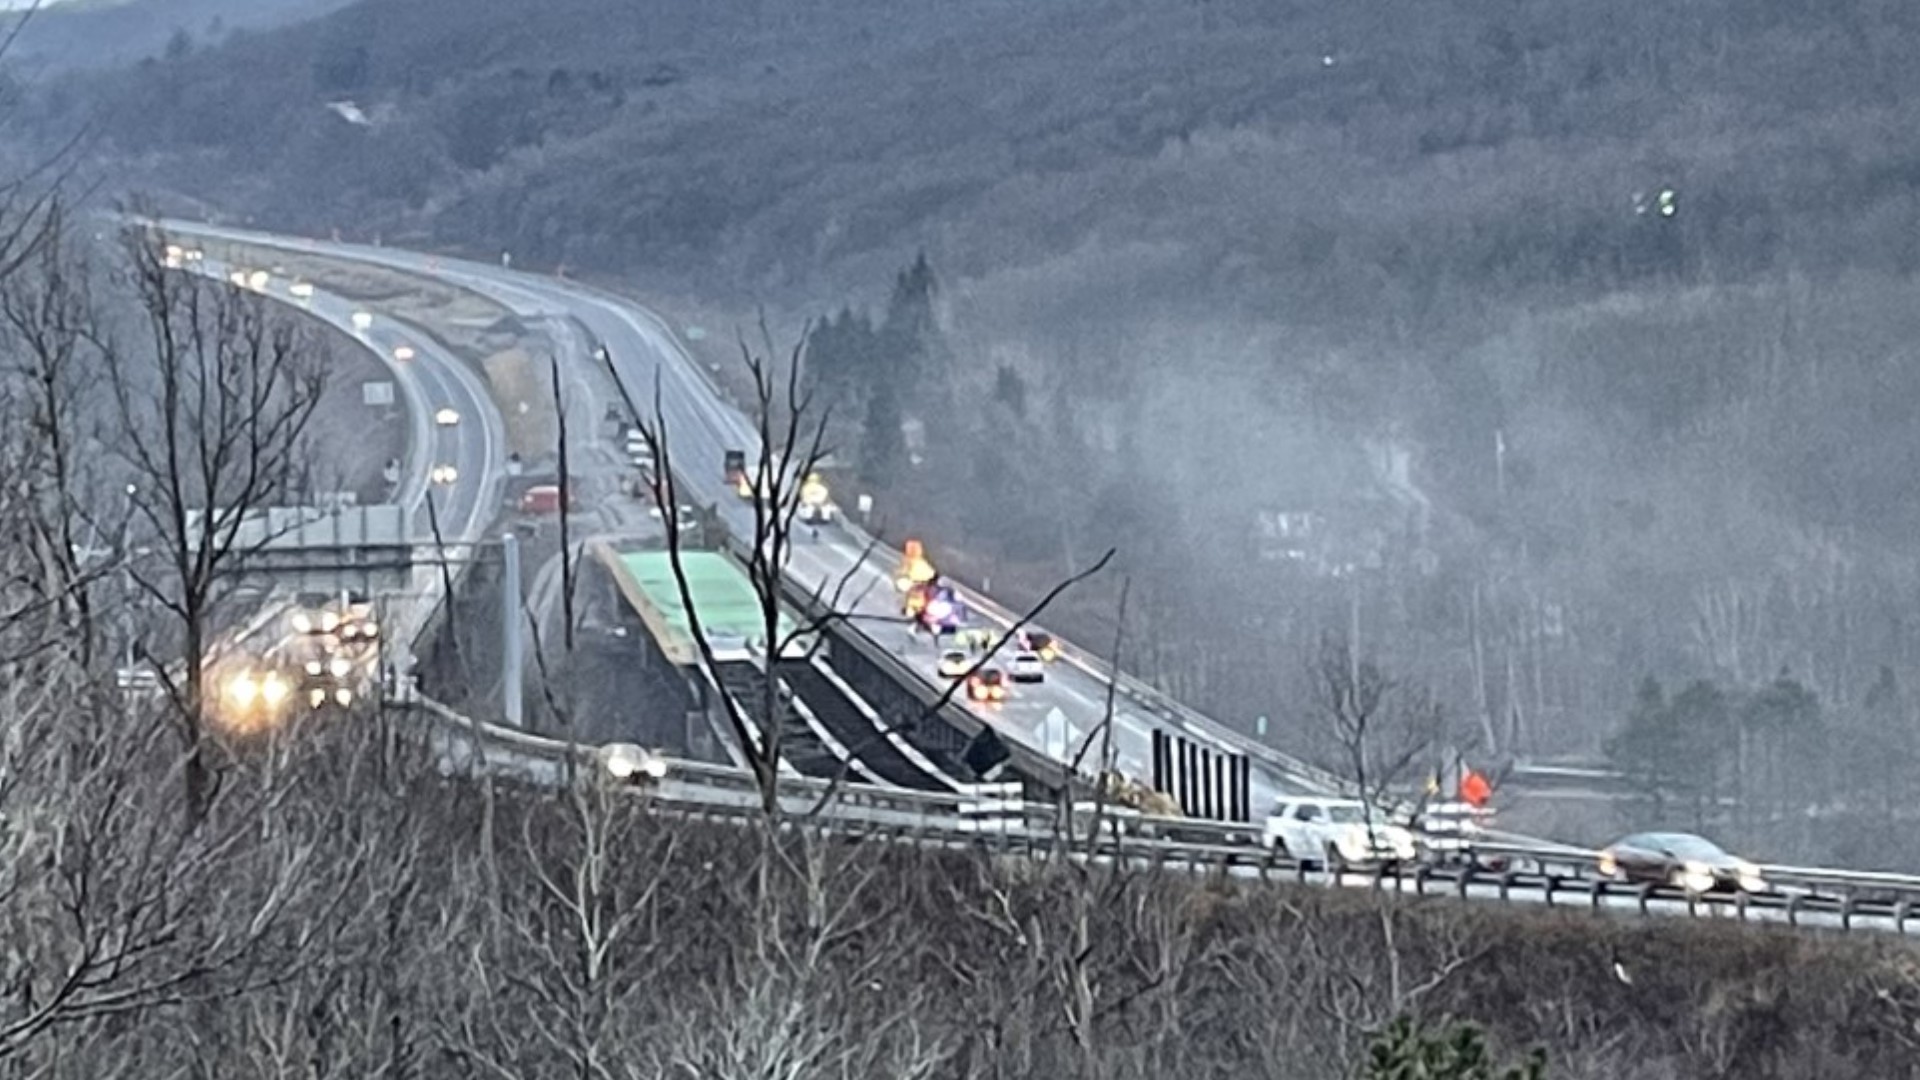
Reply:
x=876, y=377
x=1775, y=765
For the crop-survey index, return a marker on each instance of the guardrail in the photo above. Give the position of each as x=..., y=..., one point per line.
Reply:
x=993, y=818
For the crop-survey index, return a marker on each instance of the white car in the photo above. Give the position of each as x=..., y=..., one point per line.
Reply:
x=362, y=320
x=301, y=290
x=1027, y=667
x=1337, y=832
x=954, y=663
x=447, y=417
x=403, y=353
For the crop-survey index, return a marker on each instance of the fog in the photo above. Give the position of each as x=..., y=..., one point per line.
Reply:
x=1541, y=350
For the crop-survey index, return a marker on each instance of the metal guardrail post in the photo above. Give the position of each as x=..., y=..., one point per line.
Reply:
x=1740, y=904
x=1901, y=909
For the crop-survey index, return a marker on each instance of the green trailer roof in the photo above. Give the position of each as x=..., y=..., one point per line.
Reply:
x=724, y=598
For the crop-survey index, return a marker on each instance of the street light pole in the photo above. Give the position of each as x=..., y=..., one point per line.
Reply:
x=510, y=645
x=126, y=578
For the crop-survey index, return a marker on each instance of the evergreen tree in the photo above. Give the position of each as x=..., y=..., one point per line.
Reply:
x=1678, y=748
x=881, y=445
x=1781, y=724
x=1406, y=1051
x=1010, y=389
x=1646, y=747
x=840, y=357
x=1703, y=739
x=911, y=327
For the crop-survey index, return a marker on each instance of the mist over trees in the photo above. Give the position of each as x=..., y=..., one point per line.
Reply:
x=1569, y=344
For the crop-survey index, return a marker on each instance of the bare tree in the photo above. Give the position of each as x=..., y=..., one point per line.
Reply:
x=119, y=902
x=790, y=444
x=213, y=409
x=818, y=980
x=582, y=930
x=46, y=317
x=1380, y=730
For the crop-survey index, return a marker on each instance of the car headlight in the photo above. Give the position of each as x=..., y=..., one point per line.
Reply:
x=302, y=623
x=1695, y=877
x=655, y=768
x=620, y=766
x=1608, y=864
x=340, y=667
x=242, y=690
x=1749, y=876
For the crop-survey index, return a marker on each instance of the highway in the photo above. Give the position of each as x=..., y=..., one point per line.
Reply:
x=702, y=426
x=429, y=380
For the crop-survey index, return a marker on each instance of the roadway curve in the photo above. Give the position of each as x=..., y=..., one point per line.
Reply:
x=702, y=426
x=475, y=446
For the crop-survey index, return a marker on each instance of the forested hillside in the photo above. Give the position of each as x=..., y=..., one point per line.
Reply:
x=65, y=35
x=1579, y=335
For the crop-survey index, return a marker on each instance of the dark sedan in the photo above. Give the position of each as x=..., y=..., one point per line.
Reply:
x=1682, y=860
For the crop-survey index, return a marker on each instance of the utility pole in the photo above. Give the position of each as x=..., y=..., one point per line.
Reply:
x=510, y=645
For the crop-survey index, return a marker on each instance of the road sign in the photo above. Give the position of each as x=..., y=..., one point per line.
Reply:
x=1059, y=736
